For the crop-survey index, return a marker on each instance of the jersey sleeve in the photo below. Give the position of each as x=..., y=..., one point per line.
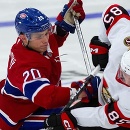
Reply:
x=112, y=15
x=39, y=89
x=113, y=20
x=92, y=117
x=44, y=94
x=109, y=116
x=114, y=29
x=118, y=112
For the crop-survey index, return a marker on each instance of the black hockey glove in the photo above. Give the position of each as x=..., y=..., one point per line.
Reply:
x=99, y=51
x=63, y=121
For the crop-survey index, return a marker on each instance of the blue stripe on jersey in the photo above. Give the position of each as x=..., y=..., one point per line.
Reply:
x=42, y=111
x=32, y=126
x=31, y=88
x=37, y=123
x=7, y=119
x=13, y=91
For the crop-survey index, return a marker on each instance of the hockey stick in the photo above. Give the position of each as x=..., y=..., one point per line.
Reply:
x=87, y=81
x=75, y=96
x=83, y=46
x=79, y=91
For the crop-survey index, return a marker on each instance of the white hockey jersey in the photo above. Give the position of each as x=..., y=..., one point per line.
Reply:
x=114, y=97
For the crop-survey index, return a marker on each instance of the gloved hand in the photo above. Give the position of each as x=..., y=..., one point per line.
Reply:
x=63, y=121
x=99, y=51
x=91, y=89
x=65, y=18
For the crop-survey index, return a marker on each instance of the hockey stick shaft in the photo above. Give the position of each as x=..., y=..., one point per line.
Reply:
x=87, y=81
x=83, y=46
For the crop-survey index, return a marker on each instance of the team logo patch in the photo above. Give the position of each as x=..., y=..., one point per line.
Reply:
x=23, y=15
x=127, y=41
x=106, y=95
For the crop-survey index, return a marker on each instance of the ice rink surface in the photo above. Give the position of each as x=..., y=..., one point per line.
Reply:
x=72, y=63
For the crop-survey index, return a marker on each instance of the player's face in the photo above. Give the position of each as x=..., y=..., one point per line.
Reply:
x=125, y=78
x=39, y=41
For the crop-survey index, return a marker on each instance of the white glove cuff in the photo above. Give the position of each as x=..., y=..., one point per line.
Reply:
x=72, y=91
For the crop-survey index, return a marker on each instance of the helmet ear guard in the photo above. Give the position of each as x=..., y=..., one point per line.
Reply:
x=31, y=20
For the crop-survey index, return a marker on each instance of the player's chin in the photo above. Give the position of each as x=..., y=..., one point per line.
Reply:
x=42, y=50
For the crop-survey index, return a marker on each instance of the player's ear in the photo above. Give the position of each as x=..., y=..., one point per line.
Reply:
x=23, y=38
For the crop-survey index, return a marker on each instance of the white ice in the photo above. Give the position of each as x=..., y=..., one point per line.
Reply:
x=74, y=67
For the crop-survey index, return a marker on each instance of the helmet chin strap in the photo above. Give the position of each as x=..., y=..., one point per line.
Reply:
x=28, y=41
x=27, y=46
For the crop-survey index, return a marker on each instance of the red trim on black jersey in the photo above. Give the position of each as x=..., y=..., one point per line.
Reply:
x=115, y=116
x=106, y=112
x=116, y=20
x=112, y=15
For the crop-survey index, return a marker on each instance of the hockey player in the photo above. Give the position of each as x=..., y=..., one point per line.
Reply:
x=114, y=89
x=34, y=68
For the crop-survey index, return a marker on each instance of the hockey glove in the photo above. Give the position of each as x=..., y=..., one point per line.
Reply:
x=65, y=18
x=63, y=121
x=99, y=51
x=91, y=89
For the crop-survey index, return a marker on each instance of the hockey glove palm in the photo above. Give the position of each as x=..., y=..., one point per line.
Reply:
x=63, y=121
x=65, y=17
x=99, y=51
